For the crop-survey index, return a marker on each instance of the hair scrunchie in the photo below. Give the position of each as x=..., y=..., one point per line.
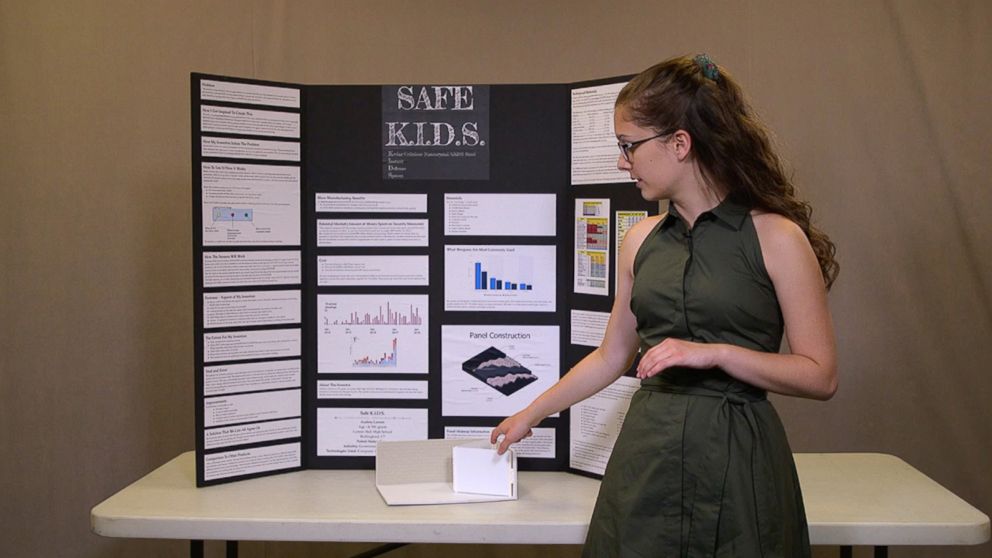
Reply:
x=707, y=66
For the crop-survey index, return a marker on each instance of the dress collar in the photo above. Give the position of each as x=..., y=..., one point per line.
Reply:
x=728, y=211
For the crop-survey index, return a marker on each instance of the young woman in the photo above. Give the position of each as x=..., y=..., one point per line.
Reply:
x=702, y=466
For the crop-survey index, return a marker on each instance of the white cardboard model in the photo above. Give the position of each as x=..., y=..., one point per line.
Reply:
x=444, y=472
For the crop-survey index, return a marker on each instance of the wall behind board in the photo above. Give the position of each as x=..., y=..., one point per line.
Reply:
x=879, y=107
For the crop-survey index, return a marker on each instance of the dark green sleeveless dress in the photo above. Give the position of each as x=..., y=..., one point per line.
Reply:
x=702, y=466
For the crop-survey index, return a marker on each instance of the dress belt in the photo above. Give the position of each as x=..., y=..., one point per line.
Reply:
x=733, y=392
x=737, y=399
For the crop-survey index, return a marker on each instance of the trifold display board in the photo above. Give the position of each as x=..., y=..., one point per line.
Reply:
x=400, y=262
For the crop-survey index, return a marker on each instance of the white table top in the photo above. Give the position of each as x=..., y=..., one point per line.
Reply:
x=851, y=499
x=880, y=500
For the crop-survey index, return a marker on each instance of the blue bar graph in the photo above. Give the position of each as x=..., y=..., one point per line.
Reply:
x=484, y=282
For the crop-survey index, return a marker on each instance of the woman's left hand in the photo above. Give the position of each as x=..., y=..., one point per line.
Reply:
x=676, y=352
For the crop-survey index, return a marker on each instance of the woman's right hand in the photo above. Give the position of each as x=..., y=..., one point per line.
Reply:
x=512, y=430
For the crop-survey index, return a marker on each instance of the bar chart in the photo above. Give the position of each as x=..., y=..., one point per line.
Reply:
x=383, y=360
x=364, y=334
x=499, y=278
x=483, y=281
x=383, y=316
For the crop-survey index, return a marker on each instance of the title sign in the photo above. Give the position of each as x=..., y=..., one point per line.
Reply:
x=435, y=132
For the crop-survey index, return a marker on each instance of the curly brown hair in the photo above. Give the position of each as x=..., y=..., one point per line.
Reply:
x=729, y=142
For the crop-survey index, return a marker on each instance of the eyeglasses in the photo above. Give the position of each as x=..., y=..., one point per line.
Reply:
x=627, y=148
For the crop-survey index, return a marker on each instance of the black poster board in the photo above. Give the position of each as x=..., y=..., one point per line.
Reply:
x=277, y=309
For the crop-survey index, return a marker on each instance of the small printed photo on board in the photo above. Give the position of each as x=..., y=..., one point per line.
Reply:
x=491, y=370
x=499, y=371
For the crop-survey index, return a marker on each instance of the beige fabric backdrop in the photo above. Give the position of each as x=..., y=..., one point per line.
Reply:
x=881, y=108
